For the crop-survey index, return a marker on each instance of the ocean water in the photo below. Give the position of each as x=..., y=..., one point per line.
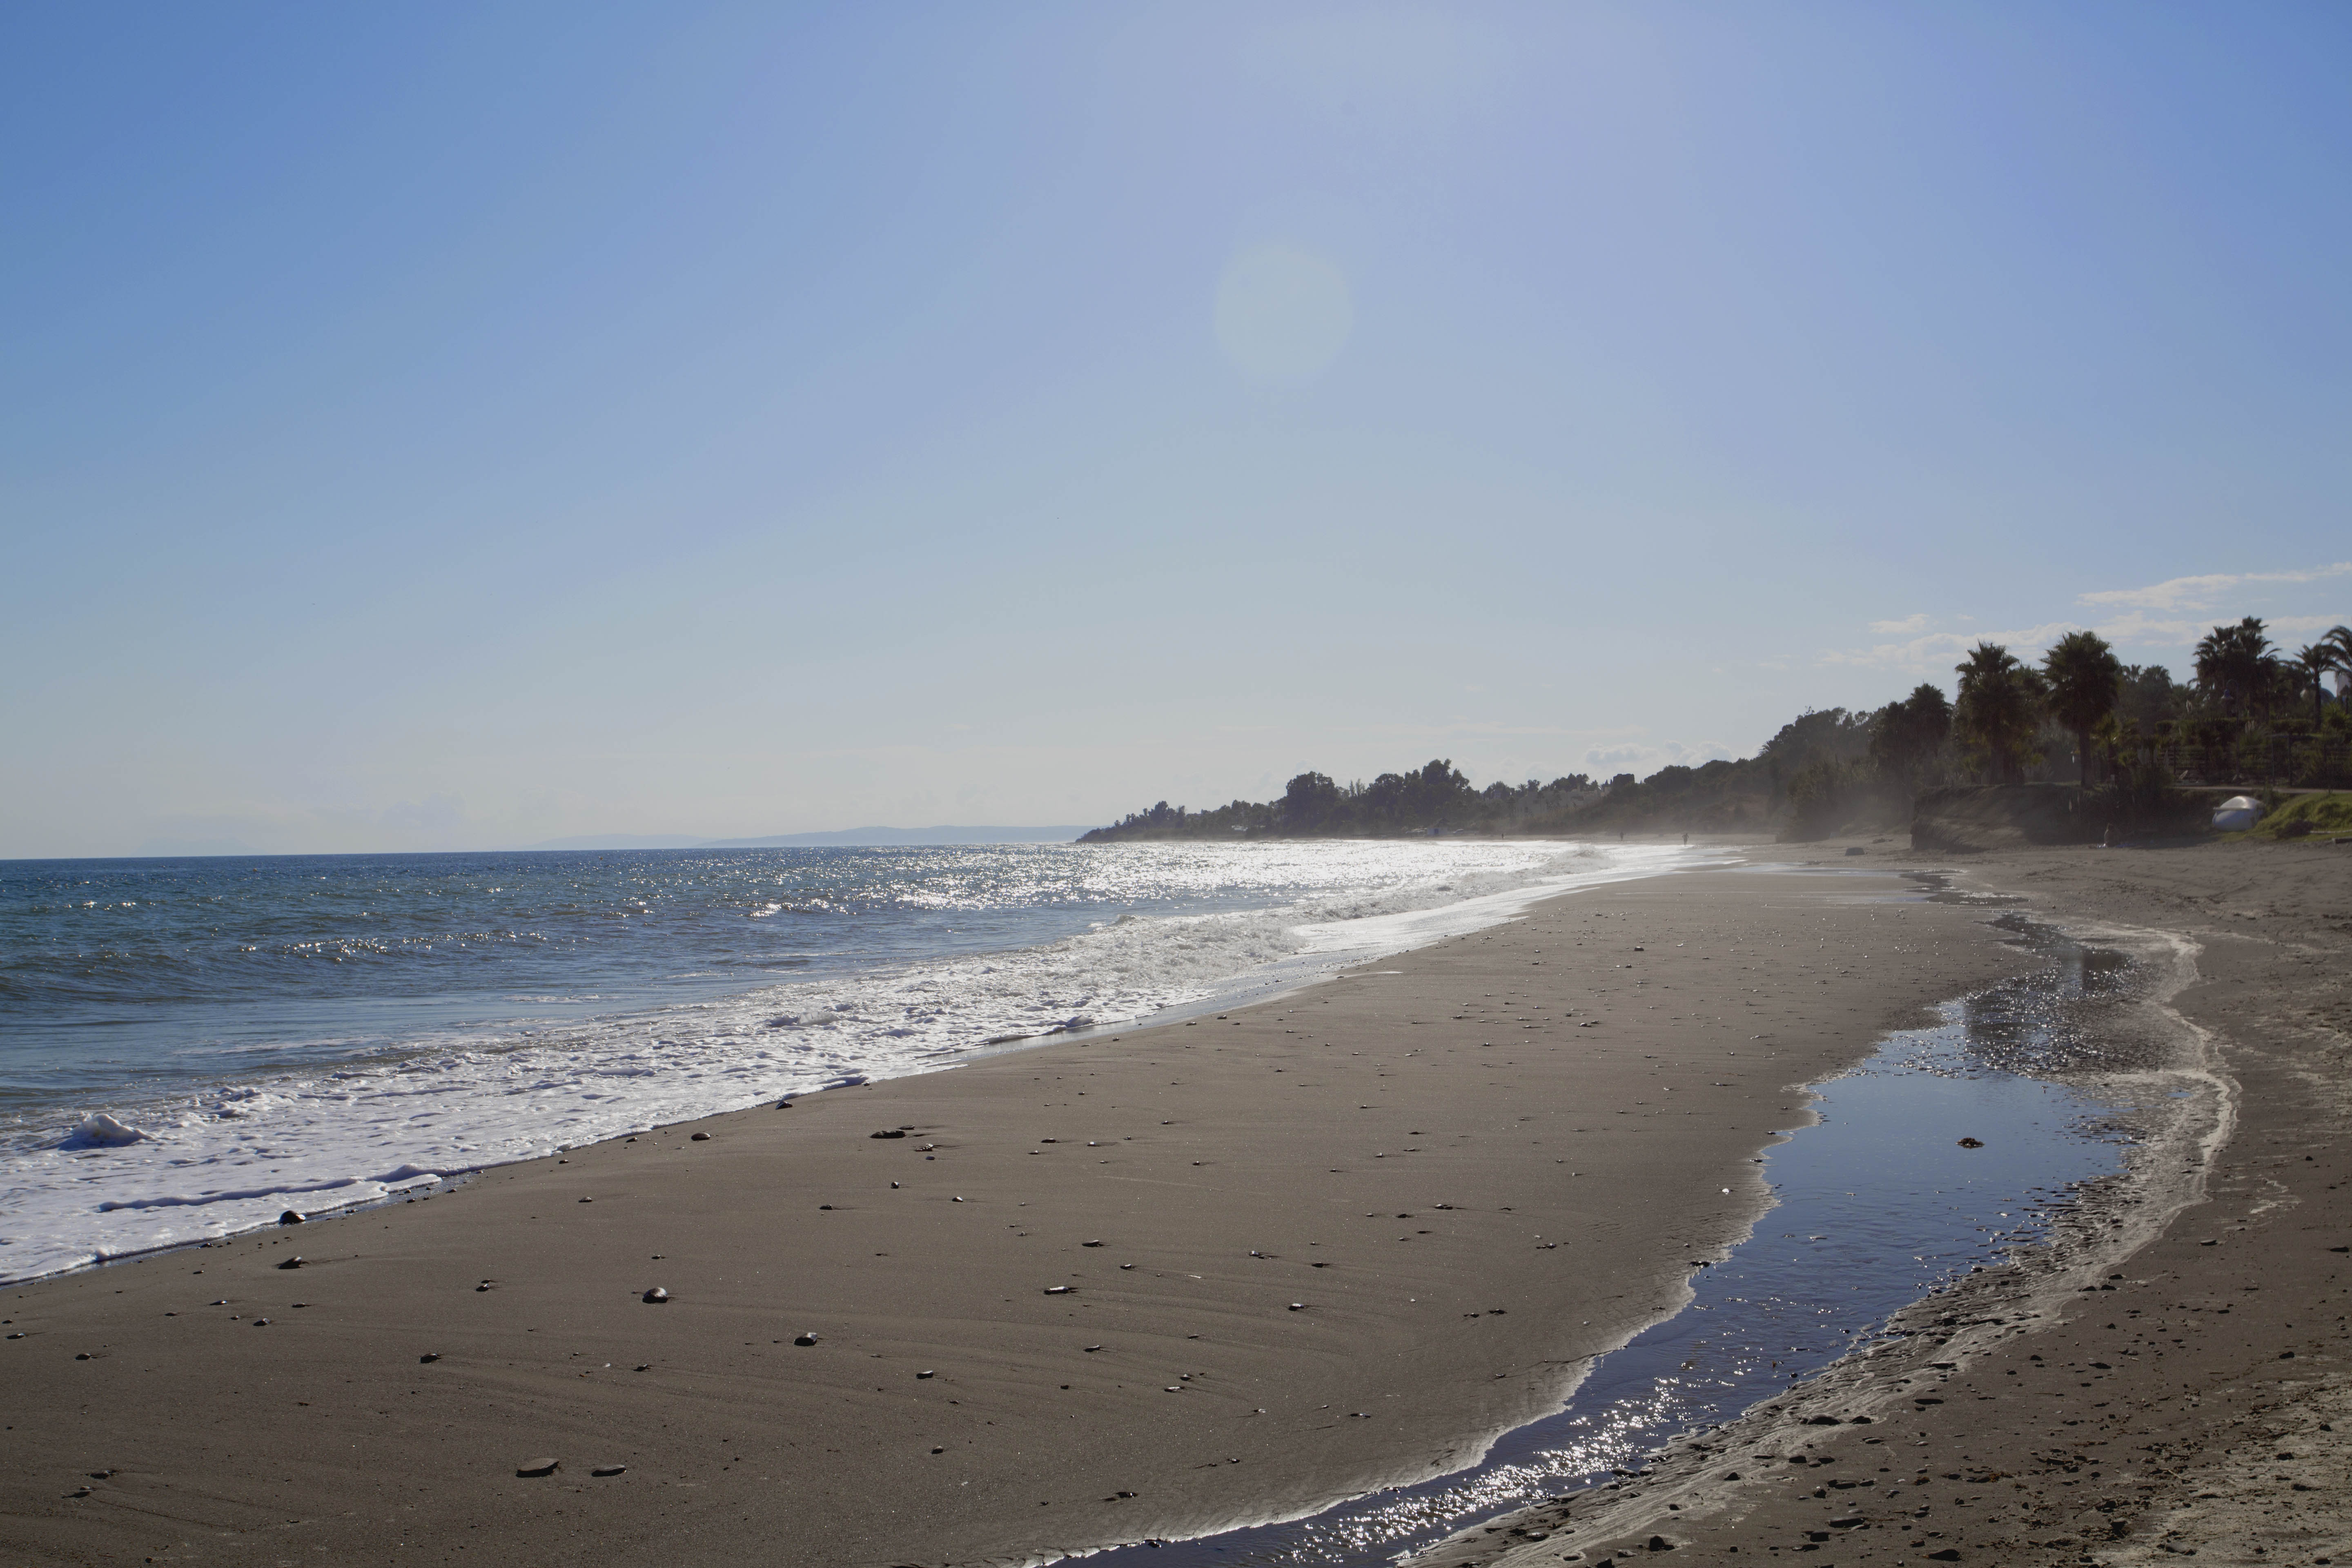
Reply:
x=189, y=1046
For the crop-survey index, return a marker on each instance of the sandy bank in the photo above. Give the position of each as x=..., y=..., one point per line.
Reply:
x=2169, y=1380
x=1343, y=1237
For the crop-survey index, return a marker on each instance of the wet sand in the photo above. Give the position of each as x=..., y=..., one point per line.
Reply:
x=1344, y=1238
x=2168, y=1379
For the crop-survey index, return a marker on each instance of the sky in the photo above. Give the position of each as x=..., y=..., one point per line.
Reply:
x=448, y=425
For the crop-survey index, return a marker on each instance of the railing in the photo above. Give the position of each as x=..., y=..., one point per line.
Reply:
x=2291, y=762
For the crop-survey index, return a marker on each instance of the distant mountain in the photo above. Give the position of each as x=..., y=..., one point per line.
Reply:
x=620, y=841
x=849, y=837
x=843, y=838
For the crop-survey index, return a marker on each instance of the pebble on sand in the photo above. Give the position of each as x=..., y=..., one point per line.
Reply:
x=293, y=1262
x=1061, y=1289
x=887, y=1133
x=428, y=1357
x=292, y=1216
x=657, y=1295
x=700, y=1138
x=536, y=1468
x=805, y=1339
x=609, y=1471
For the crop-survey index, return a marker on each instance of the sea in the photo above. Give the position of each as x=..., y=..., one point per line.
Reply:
x=190, y=1048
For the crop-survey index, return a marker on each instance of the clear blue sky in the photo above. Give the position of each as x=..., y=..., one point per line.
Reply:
x=444, y=426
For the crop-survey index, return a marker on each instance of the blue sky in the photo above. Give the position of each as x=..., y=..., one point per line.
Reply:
x=444, y=427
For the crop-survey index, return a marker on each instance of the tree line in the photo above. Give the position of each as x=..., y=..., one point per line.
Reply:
x=2080, y=710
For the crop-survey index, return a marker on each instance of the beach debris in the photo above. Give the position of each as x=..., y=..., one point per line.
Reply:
x=656, y=1296
x=1061, y=1289
x=84, y=1356
x=887, y=1133
x=1971, y=1143
x=1299, y=1306
x=292, y=1216
x=587, y=1200
x=956, y=1200
x=939, y=1450
x=293, y=1262
x=260, y=1323
x=805, y=1339
x=609, y=1471
x=647, y=1366
x=429, y=1357
x=1090, y=1349
x=826, y=1206
x=536, y=1468
x=921, y=1376
x=700, y=1138
x=486, y=1285
x=1130, y=1266
x=1099, y=1244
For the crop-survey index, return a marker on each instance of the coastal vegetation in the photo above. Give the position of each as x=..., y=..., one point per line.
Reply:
x=2126, y=735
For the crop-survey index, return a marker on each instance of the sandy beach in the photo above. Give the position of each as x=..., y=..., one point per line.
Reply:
x=1164, y=1282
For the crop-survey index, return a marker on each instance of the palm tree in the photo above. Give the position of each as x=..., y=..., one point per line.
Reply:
x=2236, y=662
x=2339, y=644
x=2084, y=677
x=2315, y=660
x=2000, y=701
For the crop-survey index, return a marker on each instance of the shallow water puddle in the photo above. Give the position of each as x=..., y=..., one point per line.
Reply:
x=1877, y=1206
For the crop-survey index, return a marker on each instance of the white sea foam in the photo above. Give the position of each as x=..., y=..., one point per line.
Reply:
x=135, y=1176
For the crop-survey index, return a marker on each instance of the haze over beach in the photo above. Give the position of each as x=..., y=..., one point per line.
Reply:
x=1311, y=785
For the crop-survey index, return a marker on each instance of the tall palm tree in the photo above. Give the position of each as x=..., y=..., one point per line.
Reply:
x=2000, y=704
x=2236, y=662
x=2084, y=677
x=2338, y=643
x=2315, y=660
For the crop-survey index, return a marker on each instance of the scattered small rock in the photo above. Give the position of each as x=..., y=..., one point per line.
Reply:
x=429, y=1357
x=1061, y=1289
x=700, y=1138
x=657, y=1295
x=293, y=1262
x=921, y=1376
x=79, y=1491
x=292, y=1216
x=887, y=1132
x=1971, y=1143
x=1299, y=1306
x=805, y=1339
x=536, y=1468
x=1090, y=1244
x=939, y=1450
x=609, y=1471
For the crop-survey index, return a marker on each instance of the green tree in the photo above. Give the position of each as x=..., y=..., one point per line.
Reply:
x=1904, y=736
x=1999, y=706
x=2084, y=677
x=2236, y=663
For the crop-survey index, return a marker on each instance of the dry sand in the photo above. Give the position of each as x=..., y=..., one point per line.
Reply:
x=2167, y=1380
x=1399, y=1154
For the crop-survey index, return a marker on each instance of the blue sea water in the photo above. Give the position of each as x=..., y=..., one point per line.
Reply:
x=189, y=1046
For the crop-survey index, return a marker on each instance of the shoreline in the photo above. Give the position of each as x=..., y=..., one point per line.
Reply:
x=780, y=1227
x=146, y=1180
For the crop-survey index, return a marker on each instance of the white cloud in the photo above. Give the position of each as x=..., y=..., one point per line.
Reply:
x=1946, y=649
x=1895, y=628
x=1633, y=756
x=2199, y=593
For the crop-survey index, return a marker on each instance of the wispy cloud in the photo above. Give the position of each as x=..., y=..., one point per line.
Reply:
x=1944, y=649
x=1895, y=628
x=2200, y=593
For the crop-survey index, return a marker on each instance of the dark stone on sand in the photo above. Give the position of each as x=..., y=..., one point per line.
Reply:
x=887, y=1132
x=826, y=1206
x=587, y=1200
x=429, y=1356
x=483, y=1286
x=79, y=1491
x=1849, y=1522
x=1090, y=1349
x=102, y=1475
x=939, y=1450
x=783, y=1105
x=1971, y=1143
x=1732, y=1475
x=2286, y=1356
x=536, y=1468
x=1299, y=1306
x=609, y=1471
x=805, y=1339
x=1061, y=1289
x=291, y=1217
x=657, y=1295
x=700, y=1138
x=81, y=1355
x=1949, y=1554
x=1822, y=1421
x=1659, y=1543
x=1090, y=1244
x=293, y=1262
x=260, y=1323
x=923, y=1375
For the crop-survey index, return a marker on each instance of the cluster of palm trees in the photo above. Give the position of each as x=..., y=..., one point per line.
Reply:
x=2239, y=663
x=2003, y=700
